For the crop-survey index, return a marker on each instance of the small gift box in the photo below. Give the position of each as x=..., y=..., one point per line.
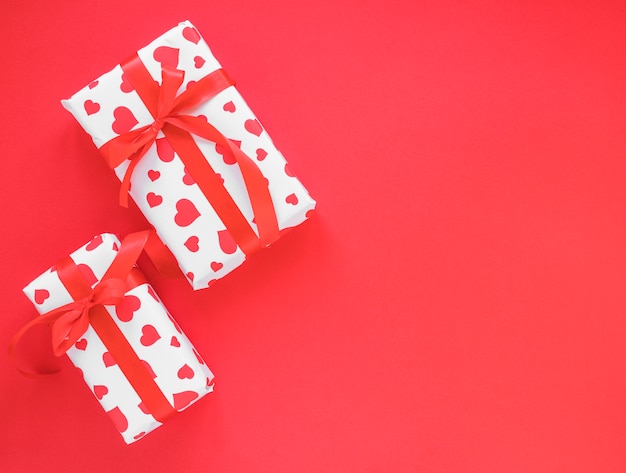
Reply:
x=133, y=356
x=191, y=154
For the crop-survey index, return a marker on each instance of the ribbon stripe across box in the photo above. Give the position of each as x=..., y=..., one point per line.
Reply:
x=191, y=154
x=133, y=355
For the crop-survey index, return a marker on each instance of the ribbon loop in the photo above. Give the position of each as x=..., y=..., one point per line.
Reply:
x=157, y=125
x=69, y=326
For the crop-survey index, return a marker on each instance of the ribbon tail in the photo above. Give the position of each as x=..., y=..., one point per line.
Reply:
x=260, y=198
x=162, y=258
x=134, y=160
x=15, y=340
x=67, y=329
x=131, y=146
x=256, y=183
x=213, y=188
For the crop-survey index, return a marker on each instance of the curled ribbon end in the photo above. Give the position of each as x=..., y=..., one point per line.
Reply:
x=58, y=351
x=124, y=197
x=39, y=374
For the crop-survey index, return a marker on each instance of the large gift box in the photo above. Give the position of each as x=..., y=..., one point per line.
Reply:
x=191, y=154
x=133, y=356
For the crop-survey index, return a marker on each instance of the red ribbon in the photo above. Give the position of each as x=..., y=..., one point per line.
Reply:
x=168, y=111
x=69, y=322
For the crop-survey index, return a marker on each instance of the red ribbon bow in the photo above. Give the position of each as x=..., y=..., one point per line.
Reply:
x=168, y=111
x=69, y=322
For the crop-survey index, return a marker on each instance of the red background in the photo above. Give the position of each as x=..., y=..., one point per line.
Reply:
x=456, y=304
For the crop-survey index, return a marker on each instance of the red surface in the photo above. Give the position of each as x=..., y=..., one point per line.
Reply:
x=457, y=303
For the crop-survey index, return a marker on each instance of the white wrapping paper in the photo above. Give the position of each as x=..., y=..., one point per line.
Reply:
x=179, y=371
x=183, y=218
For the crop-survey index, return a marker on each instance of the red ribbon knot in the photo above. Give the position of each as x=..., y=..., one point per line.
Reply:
x=157, y=125
x=70, y=322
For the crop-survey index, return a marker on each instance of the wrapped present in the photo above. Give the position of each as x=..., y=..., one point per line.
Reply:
x=133, y=356
x=191, y=154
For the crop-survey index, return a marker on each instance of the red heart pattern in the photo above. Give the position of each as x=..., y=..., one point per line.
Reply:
x=126, y=86
x=185, y=372
x=149, y=369
x=93, y=84
x=186, y=214
x=261, y=154
x=174, y=342
x=167, y=56
x=191, y=34
x=288, y=171
x=226, y=153
x=153, y=175
x=126, y=309
x=108, y=360
x=292, y=199
x=88, y=274
x=229, y=107
x=154, y=199
x=164, y=150
x=91, y=107
x=81, y=344
x=41, y=295
x=198, y=62
x=215, y=266
x=100, y=391
x=182, y=400
x=124, y=120
x=94, y=243
x=149, y=335
x=192, y=244
x=119, y=419
x=187, y=179
x=253, y=126
x=226, y=241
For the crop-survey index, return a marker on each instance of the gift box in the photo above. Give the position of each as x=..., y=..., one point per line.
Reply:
x=193, y=156
x=133, y=356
